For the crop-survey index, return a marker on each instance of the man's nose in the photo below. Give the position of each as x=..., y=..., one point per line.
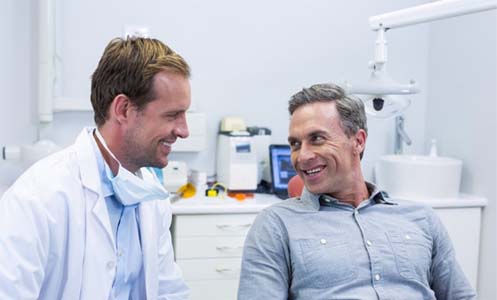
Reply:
x=305, y=153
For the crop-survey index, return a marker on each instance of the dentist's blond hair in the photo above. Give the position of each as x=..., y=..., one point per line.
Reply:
x=128, y=67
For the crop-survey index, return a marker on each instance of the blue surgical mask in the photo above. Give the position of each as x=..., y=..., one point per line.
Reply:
x=128, y=187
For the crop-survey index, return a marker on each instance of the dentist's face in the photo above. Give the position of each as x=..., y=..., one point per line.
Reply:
x=153, y=130
x=321, y=152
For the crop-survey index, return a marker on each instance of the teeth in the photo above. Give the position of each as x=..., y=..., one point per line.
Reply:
x=313, y=171
x=166, y=144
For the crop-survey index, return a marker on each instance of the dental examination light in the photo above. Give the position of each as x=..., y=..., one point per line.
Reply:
x=384, y=97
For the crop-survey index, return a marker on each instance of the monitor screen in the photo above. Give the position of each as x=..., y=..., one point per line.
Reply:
x=281, y=167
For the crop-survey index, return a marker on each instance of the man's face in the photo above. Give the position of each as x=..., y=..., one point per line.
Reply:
x=321, y=152
x=152, y=131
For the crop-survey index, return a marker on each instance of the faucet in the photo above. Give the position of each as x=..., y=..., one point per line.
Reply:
x=401, y=136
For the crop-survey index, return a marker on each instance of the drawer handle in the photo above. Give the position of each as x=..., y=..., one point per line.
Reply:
x=236, y=227
x=226, y=270
x=229, y=248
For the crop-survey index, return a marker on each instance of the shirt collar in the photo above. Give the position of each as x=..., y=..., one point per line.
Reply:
x=314, y=201
x=377, y=195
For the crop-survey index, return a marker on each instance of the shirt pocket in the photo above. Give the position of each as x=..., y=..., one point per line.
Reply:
x=326, y=260
x=412, y=252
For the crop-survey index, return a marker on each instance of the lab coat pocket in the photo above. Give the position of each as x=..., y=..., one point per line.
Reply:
x=327, y=260
x=412, y=252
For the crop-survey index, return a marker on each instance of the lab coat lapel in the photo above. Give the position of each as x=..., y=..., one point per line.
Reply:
x=101, y=214
x=99, y=245
x=90, y=179
x=148, y=232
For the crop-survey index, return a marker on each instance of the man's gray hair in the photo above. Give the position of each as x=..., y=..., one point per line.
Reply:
x=350, y=109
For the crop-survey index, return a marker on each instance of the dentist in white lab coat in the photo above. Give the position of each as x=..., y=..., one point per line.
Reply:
x=89, y=222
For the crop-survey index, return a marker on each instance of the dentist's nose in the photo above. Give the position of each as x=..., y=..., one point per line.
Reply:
x=181, y=128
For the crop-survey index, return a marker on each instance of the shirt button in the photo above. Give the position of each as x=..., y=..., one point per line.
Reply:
x=368, y=242
x=408, y=237
x=377, y=277
x=323, y=242
x=110, y=265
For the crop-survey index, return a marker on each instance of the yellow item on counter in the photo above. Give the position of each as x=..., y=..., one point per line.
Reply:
x=187, y=191
x=212, y=192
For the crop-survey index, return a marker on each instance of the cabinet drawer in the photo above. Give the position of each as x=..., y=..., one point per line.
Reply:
x=213, y=225
x=205, y=269
x=208, y=247
x=213, y=289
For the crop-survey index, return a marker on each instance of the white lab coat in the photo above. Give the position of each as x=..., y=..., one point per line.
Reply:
x=56, y=240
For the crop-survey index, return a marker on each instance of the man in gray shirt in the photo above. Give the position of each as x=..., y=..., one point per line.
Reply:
x=344, y=238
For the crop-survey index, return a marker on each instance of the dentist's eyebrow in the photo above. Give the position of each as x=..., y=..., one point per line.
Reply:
x=172, y=113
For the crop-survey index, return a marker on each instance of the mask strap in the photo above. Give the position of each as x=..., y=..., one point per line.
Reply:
x=104, y=144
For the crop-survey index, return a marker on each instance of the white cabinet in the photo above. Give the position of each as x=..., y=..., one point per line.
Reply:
x=463, y=226
x=208, y=250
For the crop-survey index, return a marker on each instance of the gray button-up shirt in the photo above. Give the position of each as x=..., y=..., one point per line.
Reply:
x=318, y=248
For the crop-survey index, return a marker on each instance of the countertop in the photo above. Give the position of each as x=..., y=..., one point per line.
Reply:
x=227, y=205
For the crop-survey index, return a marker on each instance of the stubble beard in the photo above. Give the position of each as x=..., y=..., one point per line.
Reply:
x=137, y=153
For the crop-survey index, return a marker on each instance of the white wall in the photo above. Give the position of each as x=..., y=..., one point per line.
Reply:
x=17, y=78
x=461, y=115
x=247, y=57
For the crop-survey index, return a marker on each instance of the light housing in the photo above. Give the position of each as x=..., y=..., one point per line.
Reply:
x=382, y=96
x=391, y=105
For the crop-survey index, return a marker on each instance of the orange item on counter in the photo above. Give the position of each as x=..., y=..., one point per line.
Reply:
x=240, y=196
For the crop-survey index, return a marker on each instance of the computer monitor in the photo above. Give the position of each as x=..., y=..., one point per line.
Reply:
x=281, y=169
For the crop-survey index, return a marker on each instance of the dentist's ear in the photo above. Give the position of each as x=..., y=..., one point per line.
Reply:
x=120, y=108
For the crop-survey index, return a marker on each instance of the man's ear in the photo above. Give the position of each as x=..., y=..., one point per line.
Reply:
x=360, y=141
x=120, y=108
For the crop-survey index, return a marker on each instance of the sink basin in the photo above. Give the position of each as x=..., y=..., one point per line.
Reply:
x=418, y=177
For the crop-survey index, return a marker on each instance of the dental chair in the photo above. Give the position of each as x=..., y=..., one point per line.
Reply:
x=295, y=186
